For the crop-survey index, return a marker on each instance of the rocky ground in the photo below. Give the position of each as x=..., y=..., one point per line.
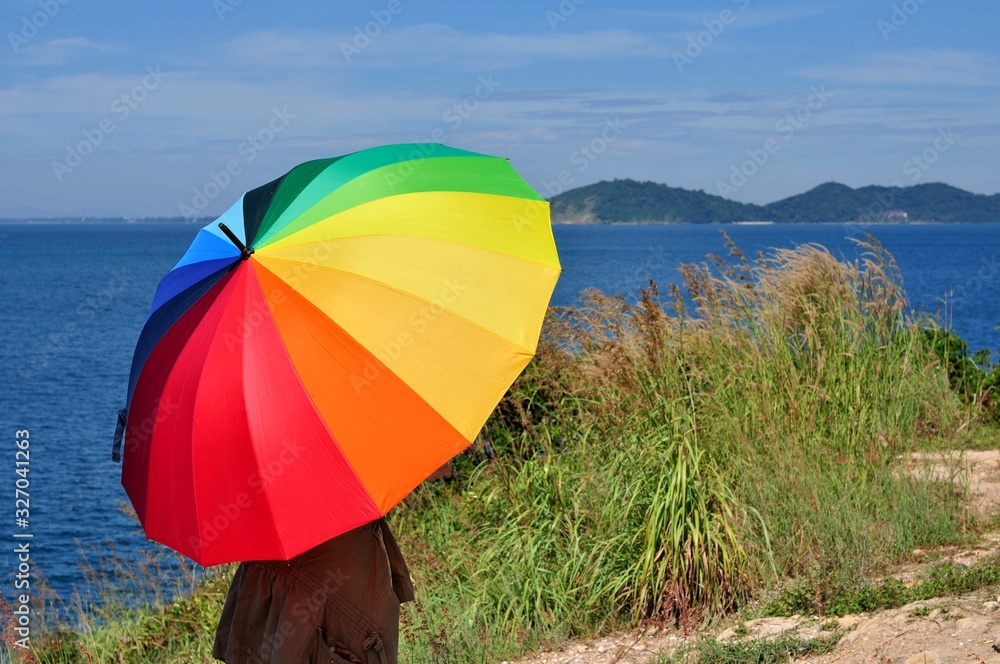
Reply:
x=936, y=631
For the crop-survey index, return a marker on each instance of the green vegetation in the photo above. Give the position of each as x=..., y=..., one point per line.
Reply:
x=628, y=201
x=666, y=463
x=761, y=651
x=972, y=375
x=865, y=596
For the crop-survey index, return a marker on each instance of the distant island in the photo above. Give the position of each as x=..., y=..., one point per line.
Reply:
x=633, y=202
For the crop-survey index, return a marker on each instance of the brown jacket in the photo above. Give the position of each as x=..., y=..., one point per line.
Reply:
x=338, y=602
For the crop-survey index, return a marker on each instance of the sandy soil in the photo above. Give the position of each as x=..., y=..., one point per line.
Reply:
x=936, y=631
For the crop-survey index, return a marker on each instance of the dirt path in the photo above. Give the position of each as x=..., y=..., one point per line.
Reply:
x=936, y=631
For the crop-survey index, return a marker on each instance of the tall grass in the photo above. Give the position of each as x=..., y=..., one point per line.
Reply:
x=152, y=605
x=804, y=378
x=665, y=461
x=662, y=461
x=580, y=540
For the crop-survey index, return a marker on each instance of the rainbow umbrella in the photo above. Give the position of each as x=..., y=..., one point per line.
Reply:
x=327, y=343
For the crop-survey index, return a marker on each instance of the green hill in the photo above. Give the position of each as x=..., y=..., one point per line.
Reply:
x=940, y=202
x=629, y=201
x=828, y=203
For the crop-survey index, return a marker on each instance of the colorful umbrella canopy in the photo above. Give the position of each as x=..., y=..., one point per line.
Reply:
x=326, y=344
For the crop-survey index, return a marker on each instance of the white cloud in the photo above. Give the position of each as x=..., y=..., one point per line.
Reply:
x=58, y=52
x=753, y=16
x=922, y=68
x=420, y=45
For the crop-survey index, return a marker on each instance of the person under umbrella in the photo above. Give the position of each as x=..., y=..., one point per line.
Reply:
x=319, y=351
x=337, y=602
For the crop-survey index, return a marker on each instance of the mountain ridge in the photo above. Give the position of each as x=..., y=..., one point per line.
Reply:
x=631, y=201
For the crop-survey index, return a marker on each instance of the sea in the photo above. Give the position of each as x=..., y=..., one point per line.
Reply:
x=74, y=296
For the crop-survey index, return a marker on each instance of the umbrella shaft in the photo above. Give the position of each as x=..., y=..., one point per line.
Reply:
x=244, y=251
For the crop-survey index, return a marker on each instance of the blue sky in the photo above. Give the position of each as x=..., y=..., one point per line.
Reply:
x=115, y=107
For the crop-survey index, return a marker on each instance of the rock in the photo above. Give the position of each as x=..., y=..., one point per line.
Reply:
x=849, y=622
x=766, y=627
x=966, y=624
